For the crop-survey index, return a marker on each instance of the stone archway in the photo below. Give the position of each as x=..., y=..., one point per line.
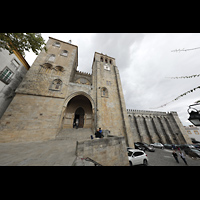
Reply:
x=78, y=106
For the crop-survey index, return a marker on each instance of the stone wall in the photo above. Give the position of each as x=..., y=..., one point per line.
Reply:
x=30, y=118
x=155, y=126
x=110, y=151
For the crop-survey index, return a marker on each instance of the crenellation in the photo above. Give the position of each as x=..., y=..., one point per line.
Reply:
x=83, y=73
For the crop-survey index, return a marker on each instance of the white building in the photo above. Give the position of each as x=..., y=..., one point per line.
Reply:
x=12, y=70
x=193, y=132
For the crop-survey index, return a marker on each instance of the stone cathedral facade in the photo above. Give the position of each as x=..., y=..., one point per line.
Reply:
x=54, y=94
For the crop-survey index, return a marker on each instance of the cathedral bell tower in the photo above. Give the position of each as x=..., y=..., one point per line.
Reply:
x=111, y=111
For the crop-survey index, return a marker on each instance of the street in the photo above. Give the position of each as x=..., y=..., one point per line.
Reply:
x=163, y=157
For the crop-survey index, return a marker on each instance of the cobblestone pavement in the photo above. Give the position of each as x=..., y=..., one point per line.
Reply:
x=62, y=153
x=164, y=158
x=46, y=153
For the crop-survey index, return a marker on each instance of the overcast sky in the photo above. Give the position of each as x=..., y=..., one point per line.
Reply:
x=144, y=61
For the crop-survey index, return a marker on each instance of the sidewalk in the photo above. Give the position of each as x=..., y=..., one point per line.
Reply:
x=46, y=153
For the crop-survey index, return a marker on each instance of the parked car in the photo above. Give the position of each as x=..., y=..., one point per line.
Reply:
x=192, y=152
x=157, y=145
x=144, y=146
x=197, y=146
x=137, y=157
x=138, y=146
x=186, y=146
x=168, y=146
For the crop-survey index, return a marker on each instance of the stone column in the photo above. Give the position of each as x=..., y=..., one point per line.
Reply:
x=133, y=125
x=165, y=130
x=159, y=129
x=150, y=127
x=181, y=132
x=174, y=136
x=141, y=128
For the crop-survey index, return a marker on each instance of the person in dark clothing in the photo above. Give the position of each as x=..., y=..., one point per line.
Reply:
x=97, y=134
x=175, y=156
x=101, y=133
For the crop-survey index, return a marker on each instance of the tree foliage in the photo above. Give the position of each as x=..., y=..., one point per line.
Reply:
x=22, y=42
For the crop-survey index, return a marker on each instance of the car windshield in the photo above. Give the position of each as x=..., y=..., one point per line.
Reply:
x=130, y=153
x=191, y=146
x=196, y=151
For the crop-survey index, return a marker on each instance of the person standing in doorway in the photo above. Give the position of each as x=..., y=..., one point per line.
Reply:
x=77, y=123
x=175, y=156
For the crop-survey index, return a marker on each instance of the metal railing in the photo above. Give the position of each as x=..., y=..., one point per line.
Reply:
x=95, y=163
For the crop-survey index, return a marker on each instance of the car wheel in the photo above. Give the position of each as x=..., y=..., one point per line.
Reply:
x=145, y=162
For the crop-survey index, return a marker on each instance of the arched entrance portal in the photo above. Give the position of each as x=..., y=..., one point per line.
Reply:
x=79, y=107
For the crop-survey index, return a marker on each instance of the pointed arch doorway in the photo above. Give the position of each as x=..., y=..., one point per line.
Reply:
x=79, y=116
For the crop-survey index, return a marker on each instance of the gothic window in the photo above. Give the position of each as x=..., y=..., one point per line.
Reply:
x=106, y=60
x=46, y=68
x=56, y=85
x=51, y=58
x=64, y=53
x=110, y=61
x=101, y=59
x=56, y=44
x=104, y=92
x=58, y=70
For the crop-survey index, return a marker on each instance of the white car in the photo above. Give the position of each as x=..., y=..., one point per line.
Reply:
x=137, y=157
x=157, y=145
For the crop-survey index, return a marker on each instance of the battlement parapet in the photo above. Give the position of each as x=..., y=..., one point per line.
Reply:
x=83, y=73
x=146, y=112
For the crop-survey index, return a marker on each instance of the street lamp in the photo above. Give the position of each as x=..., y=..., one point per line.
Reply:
x=194, y=116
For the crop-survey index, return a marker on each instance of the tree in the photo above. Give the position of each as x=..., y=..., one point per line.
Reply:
x=22, y=42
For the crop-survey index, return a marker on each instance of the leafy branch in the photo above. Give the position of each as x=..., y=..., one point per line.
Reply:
x=22, y=42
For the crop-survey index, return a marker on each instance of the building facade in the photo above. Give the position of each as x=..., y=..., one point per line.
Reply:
x=12, y=70
x=155, y=126
x=193, y=132
x=54, y=95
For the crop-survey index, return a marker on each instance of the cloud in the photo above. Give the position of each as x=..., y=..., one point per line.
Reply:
x=117, y=45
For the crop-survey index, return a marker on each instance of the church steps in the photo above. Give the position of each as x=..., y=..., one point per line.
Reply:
x=74, y=134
